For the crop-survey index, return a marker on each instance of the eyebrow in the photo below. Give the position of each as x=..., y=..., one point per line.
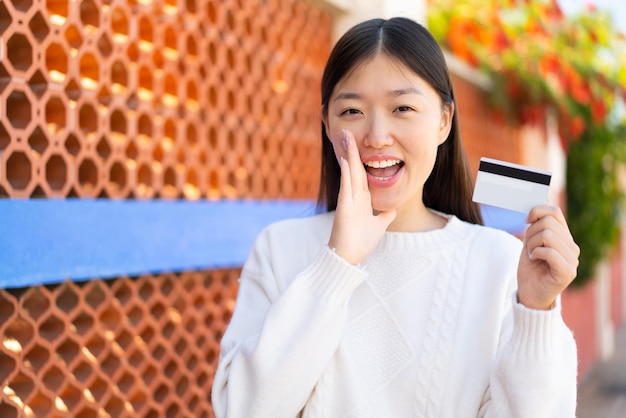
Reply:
x=408, y=90
x=351, y=95
x=347, y=96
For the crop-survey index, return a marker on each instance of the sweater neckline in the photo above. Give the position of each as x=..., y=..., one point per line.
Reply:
x=454, y=230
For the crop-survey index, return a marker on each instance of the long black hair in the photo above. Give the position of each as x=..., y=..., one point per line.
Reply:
x=449, y=187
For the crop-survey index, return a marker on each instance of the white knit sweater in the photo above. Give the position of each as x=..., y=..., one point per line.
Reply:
x=427, y=326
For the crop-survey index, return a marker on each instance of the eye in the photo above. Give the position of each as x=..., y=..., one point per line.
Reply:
x=350, y=112
x=403, y=109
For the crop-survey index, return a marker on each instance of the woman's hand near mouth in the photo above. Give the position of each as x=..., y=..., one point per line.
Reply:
x=356, y=230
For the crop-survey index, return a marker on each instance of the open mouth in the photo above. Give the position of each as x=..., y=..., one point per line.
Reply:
x=383, y=170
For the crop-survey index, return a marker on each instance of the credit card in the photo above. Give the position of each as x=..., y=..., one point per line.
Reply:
x=511, y=186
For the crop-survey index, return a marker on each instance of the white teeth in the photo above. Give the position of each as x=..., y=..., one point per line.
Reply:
x=382, y=164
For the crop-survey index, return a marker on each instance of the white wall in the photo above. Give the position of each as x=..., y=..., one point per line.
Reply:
x=350, y=12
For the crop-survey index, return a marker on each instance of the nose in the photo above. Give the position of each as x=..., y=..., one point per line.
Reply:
x=378, y=135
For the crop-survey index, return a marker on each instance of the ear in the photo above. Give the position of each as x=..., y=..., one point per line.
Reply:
x=447, y=114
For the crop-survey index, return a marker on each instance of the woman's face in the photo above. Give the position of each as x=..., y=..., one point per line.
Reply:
x=398, y=122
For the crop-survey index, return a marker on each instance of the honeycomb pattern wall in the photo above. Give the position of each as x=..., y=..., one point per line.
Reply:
x=129, y=347
x=137, y=99
x=161, y=99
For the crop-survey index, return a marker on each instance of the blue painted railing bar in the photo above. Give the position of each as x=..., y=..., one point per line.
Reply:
x=45, y=241
x=507, y=220
x=50, y=241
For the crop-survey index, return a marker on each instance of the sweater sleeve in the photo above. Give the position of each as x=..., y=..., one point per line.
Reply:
x=278, y=344
x=535, y=371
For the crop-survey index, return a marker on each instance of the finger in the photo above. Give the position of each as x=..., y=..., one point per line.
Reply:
x=551, y=223
x=541, y=211
x=357, y=171
x=559, y=254
x=549, y=231
x=548, y=238
x=345, y=183
x=562, y=269
x=550, y=218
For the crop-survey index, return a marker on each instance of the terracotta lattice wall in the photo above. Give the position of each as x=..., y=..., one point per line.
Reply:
x=132, y=99
x=165, y=99
x=129, y=347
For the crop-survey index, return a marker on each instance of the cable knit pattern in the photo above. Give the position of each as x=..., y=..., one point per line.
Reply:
x=433, y=366
x=426, y=327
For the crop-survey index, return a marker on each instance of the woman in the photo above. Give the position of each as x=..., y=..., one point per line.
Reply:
x=397, y=302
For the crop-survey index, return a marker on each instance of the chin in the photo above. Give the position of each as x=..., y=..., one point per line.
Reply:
x=383, y=206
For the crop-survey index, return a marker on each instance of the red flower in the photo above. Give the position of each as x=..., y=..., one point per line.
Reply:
x=460, y=32
x=590, y=7
x=598, y=111
x=570, y=130
x=577, y=127
x=577, y=86
x=581, y=92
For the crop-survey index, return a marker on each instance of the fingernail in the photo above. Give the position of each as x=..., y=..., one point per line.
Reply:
x=344, y=140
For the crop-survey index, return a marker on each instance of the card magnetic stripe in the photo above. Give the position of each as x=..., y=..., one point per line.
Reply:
x=516, y=173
